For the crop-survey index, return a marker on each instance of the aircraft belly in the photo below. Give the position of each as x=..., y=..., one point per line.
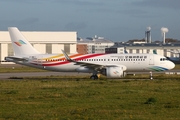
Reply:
x=136, y=67
x=63, y=68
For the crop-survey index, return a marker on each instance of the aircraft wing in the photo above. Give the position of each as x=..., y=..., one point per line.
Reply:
x=88, y=65
x=93, y=64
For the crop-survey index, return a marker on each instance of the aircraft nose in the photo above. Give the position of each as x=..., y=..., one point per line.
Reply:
x=171, y=65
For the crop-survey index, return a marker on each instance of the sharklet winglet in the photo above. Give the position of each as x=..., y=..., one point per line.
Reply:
x=67, y=57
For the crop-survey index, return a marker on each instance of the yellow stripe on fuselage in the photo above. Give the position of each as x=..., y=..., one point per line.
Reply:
x=52, y=57
x=61, y=55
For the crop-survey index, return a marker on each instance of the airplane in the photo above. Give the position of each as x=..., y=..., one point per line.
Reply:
x=176, y=59
x=109, y=65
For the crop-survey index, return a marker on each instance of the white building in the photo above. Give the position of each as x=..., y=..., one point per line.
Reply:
x=96, y=44
x=44, y=42
x=160, y=49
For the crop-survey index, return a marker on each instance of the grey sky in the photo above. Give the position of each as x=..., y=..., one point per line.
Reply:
x=117, y=20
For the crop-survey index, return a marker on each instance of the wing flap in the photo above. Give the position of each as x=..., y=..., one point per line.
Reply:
x=89, y=65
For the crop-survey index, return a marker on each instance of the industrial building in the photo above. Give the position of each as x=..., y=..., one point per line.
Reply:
x=101, y=45
x=93, y=45
x=156, y=48
x=43, y=41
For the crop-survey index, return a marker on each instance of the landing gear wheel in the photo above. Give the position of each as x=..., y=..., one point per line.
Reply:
x=94, y=77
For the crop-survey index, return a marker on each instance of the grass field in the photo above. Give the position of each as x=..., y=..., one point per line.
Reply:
x=81, y=98
x=18, y=68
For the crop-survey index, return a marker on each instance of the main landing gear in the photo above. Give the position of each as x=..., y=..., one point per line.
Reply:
x=94, y=77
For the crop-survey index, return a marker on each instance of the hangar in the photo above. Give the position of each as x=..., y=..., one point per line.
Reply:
x=43, y=41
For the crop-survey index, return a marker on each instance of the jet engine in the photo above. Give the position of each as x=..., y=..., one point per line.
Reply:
x=114, y=72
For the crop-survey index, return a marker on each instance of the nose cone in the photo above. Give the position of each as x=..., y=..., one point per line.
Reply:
x=171, y=65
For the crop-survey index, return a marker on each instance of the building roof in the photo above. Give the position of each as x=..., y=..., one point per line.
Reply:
x=149, y=45
x=94, y=40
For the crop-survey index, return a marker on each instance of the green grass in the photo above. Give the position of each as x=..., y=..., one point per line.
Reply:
x=81, y=98
x=177, y=66
x=19, y=69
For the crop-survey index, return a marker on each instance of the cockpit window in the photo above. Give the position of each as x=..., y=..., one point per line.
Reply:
x=163, y=59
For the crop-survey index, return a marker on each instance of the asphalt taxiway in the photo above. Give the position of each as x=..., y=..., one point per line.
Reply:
x=43, y=74
x=46, y=74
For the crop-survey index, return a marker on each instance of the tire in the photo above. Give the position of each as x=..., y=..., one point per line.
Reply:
x=94, y=77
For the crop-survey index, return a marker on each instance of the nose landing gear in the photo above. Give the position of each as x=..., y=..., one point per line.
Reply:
x=150, y=76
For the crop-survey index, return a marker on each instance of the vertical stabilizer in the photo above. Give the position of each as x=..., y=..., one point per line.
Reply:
x=20, y=45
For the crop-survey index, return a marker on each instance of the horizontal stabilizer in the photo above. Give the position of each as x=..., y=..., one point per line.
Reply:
x=14, y=58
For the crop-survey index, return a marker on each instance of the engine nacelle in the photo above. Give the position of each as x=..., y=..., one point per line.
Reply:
x=115, y=72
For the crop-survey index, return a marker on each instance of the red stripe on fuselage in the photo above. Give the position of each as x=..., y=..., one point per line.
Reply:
x=89, y=56
x=65, y=62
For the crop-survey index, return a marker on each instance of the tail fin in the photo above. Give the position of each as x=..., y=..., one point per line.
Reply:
x=20, y=45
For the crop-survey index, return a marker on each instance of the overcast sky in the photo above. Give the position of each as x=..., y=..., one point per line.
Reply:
x=117, y=20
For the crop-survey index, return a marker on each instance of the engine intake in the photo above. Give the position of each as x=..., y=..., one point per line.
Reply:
x=114, y=72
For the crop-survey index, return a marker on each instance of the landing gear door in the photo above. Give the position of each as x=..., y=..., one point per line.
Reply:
x=151, y=60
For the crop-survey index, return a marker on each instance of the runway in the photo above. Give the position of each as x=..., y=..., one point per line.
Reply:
x=44, y=74
x=38, y=74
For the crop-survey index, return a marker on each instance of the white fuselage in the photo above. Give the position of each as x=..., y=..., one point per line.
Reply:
x=132, y=62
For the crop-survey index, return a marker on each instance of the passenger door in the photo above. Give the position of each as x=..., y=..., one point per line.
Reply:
x=151, y=60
